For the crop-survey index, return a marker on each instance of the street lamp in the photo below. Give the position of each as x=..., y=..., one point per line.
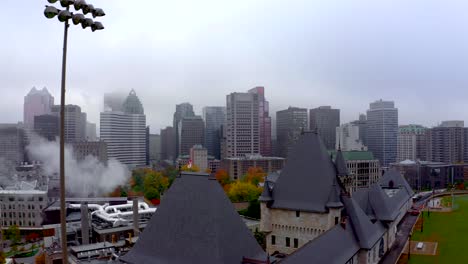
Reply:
x=77, y=18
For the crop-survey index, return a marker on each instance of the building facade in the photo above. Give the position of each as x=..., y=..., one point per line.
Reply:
x=363, y=170
x=23, y=208
x=183, y=110
x=242, y=126
x=362, y=124
x=96, y=149
x=47, y=126
x=325, y=120
x=289, y=125
x=238, y=166
x=168, y=143
x=199, y=157
x=154, y=148
x=215, y=118
x=191, y=132
x=36, y=102
x=75, y=122
x=447, y=143
x=12, y=143
x=91, y=131
x=264, y=121
x=125, y=132
x=411, y=143
x=382, y=131
x=347, y=138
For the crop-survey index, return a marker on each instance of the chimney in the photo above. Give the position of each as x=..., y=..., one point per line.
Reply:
x=84, y=224
x=343, y=222
x=136, y=217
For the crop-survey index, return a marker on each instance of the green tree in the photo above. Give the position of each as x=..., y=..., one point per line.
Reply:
x=154, y=185
x=253, y=211
x=193, y=168
x=13, y=234
x=261, y=238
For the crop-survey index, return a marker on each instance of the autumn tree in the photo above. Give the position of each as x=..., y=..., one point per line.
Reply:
x=223, y=177
x=193, y=168
x=255, y=175
x=240, y=191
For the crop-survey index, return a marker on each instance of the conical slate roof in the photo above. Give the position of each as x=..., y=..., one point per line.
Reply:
x=132, y=104
x=195, y=223
x=307, y=180
x=340, y=164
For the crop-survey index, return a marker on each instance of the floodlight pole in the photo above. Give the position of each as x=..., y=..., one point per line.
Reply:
x=63, y=211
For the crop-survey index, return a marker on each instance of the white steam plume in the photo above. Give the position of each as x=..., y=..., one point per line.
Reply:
x=88, y=177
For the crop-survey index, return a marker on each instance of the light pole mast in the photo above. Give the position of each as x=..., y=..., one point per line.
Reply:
x=77, y=18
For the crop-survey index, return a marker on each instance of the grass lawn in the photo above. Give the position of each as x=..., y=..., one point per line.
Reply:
x=450, y=230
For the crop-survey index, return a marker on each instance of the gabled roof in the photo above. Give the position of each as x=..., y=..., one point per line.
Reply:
x=336, y=246
x=367, y=233
x=307, y=179
x=381, y=200
x=195, y=223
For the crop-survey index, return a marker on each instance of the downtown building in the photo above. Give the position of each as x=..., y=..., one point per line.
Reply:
x=215, y=118
x=382, y=131
x=125, y=132
x=347, y=138
x=36, y=102
x=96, y=149
x=325, y=120
x=191, y=133
x=290, y=123
x=12, y=144
x=361, y=123
x=75, y=122
x=411, y=143
x=183, y=110
x=47, y=126
x=168, y=142
x=264, y=121
x=447, y=142
x=244, y=121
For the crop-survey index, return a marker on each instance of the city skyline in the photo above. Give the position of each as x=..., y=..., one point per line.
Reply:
x=299, y=61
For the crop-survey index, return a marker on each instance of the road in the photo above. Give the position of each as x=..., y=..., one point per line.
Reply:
x=402, y=235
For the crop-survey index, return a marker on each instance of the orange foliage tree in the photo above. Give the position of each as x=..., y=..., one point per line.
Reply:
x=254, y=175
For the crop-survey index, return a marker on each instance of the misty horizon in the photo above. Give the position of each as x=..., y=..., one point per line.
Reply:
x=305, y=54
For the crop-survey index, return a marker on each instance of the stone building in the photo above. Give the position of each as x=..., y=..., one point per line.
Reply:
x=22, y=208
x=97, y=149
x=307, y=207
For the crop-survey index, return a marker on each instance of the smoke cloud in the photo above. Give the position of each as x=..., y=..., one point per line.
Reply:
x=85, y=178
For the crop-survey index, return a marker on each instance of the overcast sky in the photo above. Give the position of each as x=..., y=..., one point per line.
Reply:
x=306, y=53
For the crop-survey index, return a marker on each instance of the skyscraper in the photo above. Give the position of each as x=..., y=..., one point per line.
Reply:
x=191, y=132
x=264, y=121
x=168, y=140
x=411, y=143
x=242, y=125
x=47, y=126
x=155, y=148
x=12, y=143
x=114, y=101
x=289, y=125
x=325, y=120
x=446, y=143
x=215, y=118
x=347, y=138
x=182, y=110
x=362, y=124
x=36, y=102
x=125, y=132
x=382, y=131
x=75, y=122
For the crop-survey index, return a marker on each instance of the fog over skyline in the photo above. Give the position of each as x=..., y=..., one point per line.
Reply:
x=305, y=53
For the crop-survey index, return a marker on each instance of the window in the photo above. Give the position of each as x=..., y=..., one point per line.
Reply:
x=298, y=213
x=288, y=242
x=336, y=220
x=273, y=240
x=296, y=243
